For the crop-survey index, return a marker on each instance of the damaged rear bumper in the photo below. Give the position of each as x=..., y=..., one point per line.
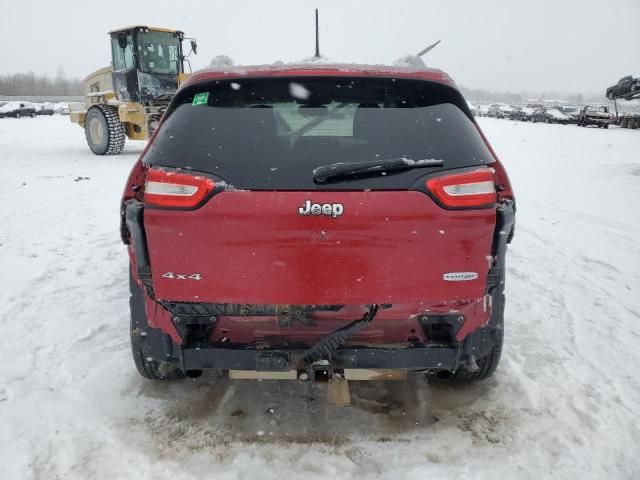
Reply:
x=159, y=347
x=431, y=358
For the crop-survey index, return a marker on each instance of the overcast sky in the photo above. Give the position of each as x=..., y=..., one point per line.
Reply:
x=533, y=45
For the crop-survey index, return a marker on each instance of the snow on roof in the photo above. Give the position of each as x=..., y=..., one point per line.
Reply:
x=10, y=106
x=221, y=61
x=413, y=61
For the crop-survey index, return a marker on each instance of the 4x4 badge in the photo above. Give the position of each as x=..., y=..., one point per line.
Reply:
x=333, y=210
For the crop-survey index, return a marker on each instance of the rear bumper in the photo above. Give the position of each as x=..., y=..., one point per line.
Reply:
x=431, y=358
x=597, y=121
x=159, y=347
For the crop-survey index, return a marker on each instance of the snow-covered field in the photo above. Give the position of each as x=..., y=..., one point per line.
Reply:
x=564, y=403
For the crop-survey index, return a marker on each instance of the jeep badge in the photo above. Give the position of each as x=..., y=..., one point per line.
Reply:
x=333, y=210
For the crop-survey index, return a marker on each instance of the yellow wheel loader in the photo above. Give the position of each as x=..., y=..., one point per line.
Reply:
x=128, y=98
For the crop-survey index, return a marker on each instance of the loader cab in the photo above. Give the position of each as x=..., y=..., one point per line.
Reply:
x=147, y=63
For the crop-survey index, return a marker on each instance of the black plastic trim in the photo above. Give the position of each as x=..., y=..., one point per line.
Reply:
x=437, y=357
x=134, y=215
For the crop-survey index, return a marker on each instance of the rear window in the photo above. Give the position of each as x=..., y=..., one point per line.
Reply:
x=271, y=133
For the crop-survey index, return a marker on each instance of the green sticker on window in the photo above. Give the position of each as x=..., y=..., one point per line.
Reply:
x=200, y=98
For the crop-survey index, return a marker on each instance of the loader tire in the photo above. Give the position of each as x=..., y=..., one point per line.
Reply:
x=104, y=131
x=146, y=367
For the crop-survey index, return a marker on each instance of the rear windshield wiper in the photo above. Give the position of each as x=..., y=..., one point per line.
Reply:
x=377, y=166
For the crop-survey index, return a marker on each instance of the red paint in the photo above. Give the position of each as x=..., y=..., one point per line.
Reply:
x=326, y=70
x=254, y=247
x=397, y=324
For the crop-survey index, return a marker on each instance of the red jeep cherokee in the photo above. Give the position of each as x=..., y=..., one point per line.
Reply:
x=310, y=221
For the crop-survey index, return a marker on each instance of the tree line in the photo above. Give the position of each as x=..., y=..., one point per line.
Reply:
x=482, y=95
x=32, y=84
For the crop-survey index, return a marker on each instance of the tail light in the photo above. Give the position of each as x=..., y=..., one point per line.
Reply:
x=166, y=188
x=473, y=189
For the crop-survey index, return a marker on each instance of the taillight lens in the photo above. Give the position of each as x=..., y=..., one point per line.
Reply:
x=473, y=189
x=166, y=188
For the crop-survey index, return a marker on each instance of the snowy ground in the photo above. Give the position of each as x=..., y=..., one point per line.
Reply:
x=564, y=403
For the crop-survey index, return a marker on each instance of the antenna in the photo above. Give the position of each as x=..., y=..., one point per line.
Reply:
x=317, y=55
x=429, y=48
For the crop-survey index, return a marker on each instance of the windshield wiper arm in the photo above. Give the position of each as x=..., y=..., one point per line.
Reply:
x=377, y=166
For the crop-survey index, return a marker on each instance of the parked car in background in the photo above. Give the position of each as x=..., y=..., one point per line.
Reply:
x=516, y=113
x=500, y=110
x=483, y=111
x=594, y=115
x=629, y=120
x=521, y=113
x=625, y=86
x=570, y=111
x=553, y=115
x=528, y=112
x=45, y=109
x=62, y=108
x=17, y=109
x=539, y=115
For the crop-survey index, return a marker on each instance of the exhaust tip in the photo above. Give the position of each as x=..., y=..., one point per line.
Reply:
x=193, y=373
x=444, y=375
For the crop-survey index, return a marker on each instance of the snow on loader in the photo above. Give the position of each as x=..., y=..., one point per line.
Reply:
x=128, y=98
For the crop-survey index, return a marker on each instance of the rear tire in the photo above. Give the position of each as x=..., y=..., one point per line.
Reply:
x=151, y=369
x=104, y=131
x=486, y=365
x=146, y=367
